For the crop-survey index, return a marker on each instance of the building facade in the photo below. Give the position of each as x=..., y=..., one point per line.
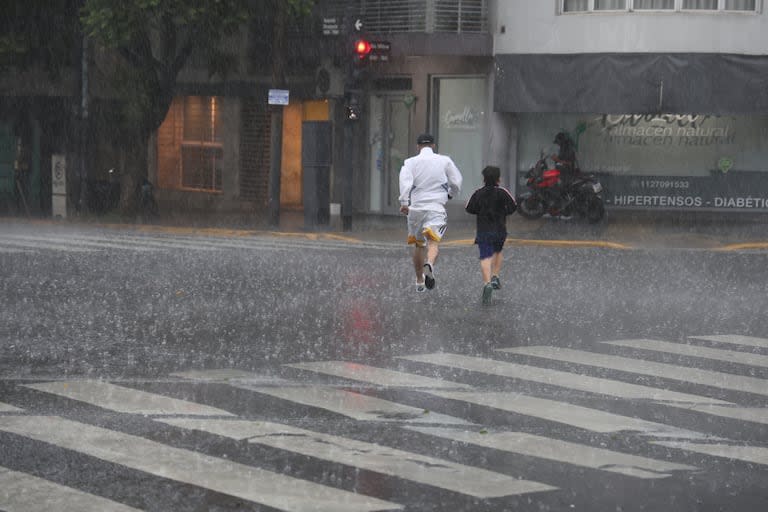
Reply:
x=666, y=99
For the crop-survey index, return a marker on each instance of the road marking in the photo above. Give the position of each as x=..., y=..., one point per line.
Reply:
x=639, y=366
x=8, y=408
x=681, y=349
x=563, y=379
x=246, y=482
x=226, y=375
x=8, y=250
x=585, y=418
x=355, y=405
x=77, y=241
x=126, y=400
x=753, y=454
x=20, y=492
x=45, y=245
x=377, y=376
x=561, y=451
x=735, y=339
x=444, y=474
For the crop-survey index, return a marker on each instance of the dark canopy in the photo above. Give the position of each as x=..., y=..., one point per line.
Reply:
x=686, y=83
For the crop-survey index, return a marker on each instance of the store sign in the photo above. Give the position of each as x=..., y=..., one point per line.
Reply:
x=664, y=161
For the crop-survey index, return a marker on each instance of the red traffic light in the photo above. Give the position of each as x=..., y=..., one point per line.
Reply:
x=362, y=48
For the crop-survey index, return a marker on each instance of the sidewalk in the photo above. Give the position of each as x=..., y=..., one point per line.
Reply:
x=620, y=229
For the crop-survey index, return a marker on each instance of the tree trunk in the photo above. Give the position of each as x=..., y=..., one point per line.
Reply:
x=134, y=173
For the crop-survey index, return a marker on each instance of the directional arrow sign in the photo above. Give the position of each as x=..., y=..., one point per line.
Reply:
x=358, y=24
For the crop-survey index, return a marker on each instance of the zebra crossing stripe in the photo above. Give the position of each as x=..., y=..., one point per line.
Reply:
x=444, y=474
x=20, y=492
x=585, y=418
x=744, y=453
x=44, y=245
x=377, y=376
x=8, y=408
x=355, y=405
x=246, y=482
x=735, y=339
x=78, y=242
x=117, y=398
x=563, y=379
x=711, y=378
x=561, y=451
x=681, y=349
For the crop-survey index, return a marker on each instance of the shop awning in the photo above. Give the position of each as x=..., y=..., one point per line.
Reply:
x=687, y=83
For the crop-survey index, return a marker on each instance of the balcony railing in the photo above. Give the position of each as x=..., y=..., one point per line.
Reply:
x=401, y=16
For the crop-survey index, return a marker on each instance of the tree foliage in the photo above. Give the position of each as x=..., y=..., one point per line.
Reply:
x=156, y=39
x=43, y=34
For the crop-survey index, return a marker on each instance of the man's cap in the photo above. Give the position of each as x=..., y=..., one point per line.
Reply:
x=425, y=138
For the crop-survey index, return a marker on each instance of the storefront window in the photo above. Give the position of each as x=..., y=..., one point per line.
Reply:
x=459, y=123
x=661, y=160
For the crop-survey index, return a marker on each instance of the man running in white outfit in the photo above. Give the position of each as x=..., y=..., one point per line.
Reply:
x=427, y=181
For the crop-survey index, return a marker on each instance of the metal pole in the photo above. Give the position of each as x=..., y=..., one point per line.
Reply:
x=349, y=186
x=83, y=131
x=276, y=154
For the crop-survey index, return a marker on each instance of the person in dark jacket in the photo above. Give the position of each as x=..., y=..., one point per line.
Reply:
x=491, y=204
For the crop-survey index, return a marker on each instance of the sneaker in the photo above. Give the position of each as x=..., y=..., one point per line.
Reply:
x=420, y=288
x=429, y=276
x=487, y=292
x=496, y=283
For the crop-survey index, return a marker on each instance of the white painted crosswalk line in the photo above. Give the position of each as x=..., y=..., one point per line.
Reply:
x=752, y=454
x=711, y=378
x=126, y=400
x=440, y=473
x=78, y=241
x=735, y=339
x=20, y=492
x=563, y=379
x=353, y=405
x=585, y=418
x=356, y=405
x=246, y=482
x=561, y=451
x=8, y=408
x=42, y=245
x=681, y=349
x=377, y=376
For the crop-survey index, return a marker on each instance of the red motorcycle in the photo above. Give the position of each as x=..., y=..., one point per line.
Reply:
x=550, y=193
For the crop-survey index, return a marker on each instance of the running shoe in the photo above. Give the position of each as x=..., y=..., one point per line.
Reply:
x=487, y=292
x=496, y=283
x=429, y=276
x=420, y=288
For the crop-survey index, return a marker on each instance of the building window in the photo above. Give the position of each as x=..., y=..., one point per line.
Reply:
x=577, y=6
x=653, y=5
x=201, y=147
x=190, y=147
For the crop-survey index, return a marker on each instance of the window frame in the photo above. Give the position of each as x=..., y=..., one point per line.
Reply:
x=215, y=187
x=678, y=7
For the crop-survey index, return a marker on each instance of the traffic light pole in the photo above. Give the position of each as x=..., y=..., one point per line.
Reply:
x=348, y=172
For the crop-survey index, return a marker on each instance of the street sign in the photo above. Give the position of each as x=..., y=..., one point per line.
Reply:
x=278, y=97
x=358, y=24
x=380, y=51
x=331, y=27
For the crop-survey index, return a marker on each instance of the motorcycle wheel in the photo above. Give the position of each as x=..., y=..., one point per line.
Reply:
x=595, y=210
x=530, y=207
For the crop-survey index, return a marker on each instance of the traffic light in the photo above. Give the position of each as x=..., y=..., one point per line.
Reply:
x=361, y=50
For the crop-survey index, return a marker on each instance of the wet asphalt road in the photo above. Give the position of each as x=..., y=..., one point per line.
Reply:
x=143, y=310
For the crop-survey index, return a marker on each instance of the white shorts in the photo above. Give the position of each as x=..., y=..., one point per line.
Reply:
x=426, y=225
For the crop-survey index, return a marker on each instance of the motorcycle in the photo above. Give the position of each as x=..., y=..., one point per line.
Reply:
x=548, y=194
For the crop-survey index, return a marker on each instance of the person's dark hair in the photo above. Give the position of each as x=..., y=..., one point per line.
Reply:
x=491, y=175
x=561, y=138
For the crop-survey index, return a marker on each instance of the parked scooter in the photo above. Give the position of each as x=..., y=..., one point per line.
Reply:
x=549, y=193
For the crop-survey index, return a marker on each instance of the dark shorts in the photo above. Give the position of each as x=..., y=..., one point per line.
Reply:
x=490, y=243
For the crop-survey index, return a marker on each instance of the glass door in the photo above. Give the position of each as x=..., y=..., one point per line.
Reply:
x=390, y=129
